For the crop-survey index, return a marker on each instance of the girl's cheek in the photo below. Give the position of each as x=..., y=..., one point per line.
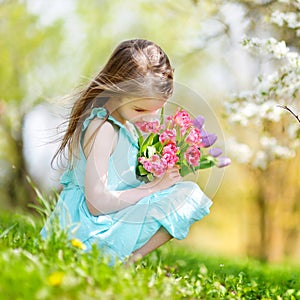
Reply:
x=149, y=117
x=136, y=117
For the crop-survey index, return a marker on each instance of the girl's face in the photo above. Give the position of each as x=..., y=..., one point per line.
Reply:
x=137, y=109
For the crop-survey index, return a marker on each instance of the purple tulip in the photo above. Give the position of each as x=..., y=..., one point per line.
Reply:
x=223, y=161
x=199, y=122
x=208, y=139
x=215, y=152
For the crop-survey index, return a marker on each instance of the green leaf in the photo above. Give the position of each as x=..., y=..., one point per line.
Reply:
x=140, y=141
x=155, y=139
x=147, y=142
x=205, y=164
x=184, y=170
x=162, y=115
x=141, y=170
x=150, y=176
x=184, y=148
x=158, y=146
x=7, y=230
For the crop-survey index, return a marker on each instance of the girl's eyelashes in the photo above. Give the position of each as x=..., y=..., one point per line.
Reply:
x=139, y=110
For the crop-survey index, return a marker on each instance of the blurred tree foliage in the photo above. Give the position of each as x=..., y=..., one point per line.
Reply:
x=25, y=47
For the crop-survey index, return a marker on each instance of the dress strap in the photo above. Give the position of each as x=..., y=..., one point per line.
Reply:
x=102, y=113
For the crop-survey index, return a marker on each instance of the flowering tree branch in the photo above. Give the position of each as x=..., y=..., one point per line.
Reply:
x=260, y=106
x=290, y=111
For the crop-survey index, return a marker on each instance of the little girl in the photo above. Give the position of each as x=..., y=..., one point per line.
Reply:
x=102, y=201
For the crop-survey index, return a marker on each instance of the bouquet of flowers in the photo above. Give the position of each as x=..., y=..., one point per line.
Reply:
x=176, y=140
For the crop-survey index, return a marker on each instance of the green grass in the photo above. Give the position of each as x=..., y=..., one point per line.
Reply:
x=54, y=269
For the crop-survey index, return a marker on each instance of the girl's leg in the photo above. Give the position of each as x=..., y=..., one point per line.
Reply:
x=158, y=239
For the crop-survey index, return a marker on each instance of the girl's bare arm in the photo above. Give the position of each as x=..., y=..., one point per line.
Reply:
x=99, y=199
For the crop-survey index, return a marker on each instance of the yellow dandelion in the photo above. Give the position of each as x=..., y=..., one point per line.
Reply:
x=78, y=244
x=56, y=278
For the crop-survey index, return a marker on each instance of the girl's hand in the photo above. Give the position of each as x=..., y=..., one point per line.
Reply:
x=171, y=177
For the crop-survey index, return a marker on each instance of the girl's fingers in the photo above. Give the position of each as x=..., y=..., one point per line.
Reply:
x=174, y=175
x=174, y=169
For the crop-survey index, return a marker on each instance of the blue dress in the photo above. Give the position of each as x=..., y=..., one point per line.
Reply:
x=120, y=233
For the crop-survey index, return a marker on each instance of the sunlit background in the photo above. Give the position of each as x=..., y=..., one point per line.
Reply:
x=48, y=48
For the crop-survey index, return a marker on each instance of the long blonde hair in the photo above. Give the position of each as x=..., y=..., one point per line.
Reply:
x=136, y=68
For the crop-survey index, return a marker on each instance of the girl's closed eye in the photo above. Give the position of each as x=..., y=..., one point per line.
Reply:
x=140, y=110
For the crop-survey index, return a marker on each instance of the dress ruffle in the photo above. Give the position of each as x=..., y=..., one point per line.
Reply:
x=101, y=113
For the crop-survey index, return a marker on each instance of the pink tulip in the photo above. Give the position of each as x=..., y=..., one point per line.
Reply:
x=192, y=155
x=168, y=135
x=183, y=119
x=148, y=127
x=154, y=165
x=194, y=137
x=169, y=154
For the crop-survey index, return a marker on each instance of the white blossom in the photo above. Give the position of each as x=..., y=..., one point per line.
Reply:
x=291, y=19
x=242, y=153
x=266, y=46
x=293, y=131
x=260, y=160
x=238, y=119
x=273, y=150
x=293, y=59
x=268, y=142
x=283, y=152
x=269, y=110
x=249, y=109
x=295, y=144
